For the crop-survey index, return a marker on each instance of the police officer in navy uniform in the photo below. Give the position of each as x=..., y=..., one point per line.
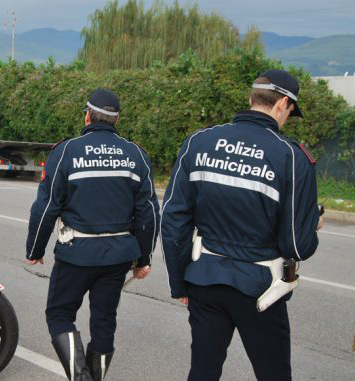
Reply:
x=100, y=185
x=251, y=193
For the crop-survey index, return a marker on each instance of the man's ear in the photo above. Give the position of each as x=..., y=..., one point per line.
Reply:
x=87, y=118
x=280, y=106
x=284, y=103
x=117, y=119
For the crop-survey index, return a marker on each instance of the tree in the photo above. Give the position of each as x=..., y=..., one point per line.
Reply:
x=129, y=37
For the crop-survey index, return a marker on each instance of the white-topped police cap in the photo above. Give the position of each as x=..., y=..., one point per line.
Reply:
x=284, y=83
x=101, y=98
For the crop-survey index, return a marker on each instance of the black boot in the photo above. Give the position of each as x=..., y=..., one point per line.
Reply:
x=70, y=351
x=98, y=363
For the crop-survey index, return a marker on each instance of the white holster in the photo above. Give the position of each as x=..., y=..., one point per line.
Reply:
x=66, y=234
x=196, y=247
x=278, y=287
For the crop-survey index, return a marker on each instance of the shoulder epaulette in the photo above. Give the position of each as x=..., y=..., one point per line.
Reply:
x=55, y=145
x=307, y=153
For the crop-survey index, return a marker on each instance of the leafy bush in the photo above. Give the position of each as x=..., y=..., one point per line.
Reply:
x=162, y=104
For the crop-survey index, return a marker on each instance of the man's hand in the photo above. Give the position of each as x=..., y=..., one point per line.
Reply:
x=141, y=272
x=33, y=262
x=320, y=223
x=184, y=300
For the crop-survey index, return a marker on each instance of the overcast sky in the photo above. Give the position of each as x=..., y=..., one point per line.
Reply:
x=313, y=18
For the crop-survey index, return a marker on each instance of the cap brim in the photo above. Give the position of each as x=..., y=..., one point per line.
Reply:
x=296, y=111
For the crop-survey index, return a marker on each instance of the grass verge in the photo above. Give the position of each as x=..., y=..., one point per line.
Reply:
x=336, y=194
x=333, y=194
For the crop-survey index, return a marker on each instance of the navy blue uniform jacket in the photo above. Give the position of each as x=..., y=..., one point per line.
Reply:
x=252, y=195
x=97, y=183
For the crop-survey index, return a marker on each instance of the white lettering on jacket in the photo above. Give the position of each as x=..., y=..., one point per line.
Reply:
x=240, y=149
x=103, y=149
x=81, y=162
x=102, y=159
x=203, y=160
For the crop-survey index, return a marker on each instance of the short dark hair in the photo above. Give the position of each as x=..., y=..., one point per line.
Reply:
x=266, y=98
x=97, y=117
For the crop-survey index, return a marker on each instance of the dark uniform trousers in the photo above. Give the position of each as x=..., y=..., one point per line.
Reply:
x=215, y=311
x=68, y=285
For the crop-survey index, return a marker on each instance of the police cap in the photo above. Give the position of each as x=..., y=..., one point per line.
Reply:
x=284, y=83
x=101, y=98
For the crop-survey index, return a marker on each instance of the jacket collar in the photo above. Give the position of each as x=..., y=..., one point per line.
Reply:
x=101, y=126
x=257, y=117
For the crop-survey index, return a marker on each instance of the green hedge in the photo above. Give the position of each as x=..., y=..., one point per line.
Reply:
x=160, y=105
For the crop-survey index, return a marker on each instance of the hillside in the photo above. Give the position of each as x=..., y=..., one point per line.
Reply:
x=274, y=42
x=333, y=55
x=38, y=44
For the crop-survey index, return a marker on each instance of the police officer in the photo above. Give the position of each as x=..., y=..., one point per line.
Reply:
x=100, y=185
x=251, y=193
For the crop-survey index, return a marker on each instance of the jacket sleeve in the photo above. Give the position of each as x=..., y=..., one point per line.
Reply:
x=177, y=225
x=48, y=205
x=297, y=236
x=146, y=214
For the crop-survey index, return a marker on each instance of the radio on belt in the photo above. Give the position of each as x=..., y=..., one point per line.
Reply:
x=289, y=271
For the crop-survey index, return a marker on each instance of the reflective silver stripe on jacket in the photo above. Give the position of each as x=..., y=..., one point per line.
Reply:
x=92, y=174
x=236, y=182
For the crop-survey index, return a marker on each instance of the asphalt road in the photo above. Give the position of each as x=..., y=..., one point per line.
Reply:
x=153, y=338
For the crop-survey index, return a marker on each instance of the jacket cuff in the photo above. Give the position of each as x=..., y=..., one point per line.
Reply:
x=143, y=261
x=34, y=257
x=179, y=294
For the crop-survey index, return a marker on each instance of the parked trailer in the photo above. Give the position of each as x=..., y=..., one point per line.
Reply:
x=30, y=169
x=14, y=159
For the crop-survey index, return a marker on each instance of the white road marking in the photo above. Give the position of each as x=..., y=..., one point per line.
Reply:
x=338, y=234
x=325, y=282
x=321, y=231
x=9, y=188
x=13, y=218
x=18, y=187
x=41, y=361
x=314, y=280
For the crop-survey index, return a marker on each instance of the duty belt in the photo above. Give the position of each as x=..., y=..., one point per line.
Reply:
x=278, y=287
x=66, y=234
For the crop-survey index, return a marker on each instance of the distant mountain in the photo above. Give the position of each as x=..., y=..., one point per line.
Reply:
x=333, y=55
x=65, y=40
x=38, y=44
x=274, y=42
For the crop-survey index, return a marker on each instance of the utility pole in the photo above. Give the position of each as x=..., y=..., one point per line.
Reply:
x=13, y=21
x=13, y=24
